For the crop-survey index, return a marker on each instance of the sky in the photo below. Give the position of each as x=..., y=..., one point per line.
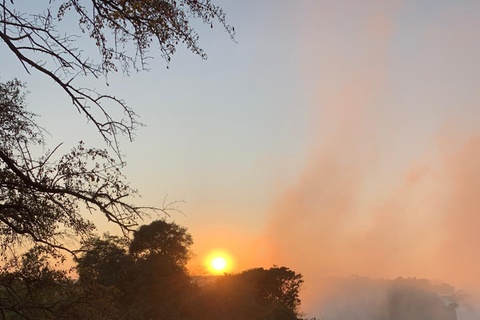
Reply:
x=333, y=137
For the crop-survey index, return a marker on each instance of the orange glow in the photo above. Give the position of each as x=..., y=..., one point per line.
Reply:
x=218, y=262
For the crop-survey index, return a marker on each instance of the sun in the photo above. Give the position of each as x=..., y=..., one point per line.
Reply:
x=219, y=264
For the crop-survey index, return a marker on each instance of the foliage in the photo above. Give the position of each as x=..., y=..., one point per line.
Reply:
x=415, y=299
x=153, y=283
x=269, y=294
x=159, y=289
x=41, y=199
x=160, y=282
x=104, y=261
x=162, y=238
x=150, y=279
x=36, y=290
x=114, y=26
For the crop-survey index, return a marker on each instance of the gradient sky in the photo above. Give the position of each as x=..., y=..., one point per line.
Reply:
x=336, y=137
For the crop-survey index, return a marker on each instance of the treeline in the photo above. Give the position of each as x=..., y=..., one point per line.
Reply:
x=144, y=277
x=363, y=298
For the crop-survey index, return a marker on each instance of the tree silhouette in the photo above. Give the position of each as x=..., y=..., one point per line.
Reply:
x=117, y=283
x=255, y=294
x=162, y=238
x=150, y=280
x=41, y=199
x=34, y=289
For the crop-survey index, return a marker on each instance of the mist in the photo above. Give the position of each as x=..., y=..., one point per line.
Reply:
x=390, y=186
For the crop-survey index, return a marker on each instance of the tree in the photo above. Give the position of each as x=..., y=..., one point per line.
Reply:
x=105, y=261
x=162, y=238
x=36, y=290
x=41, y=199
x=161, y=286
x=113, y=25
x=106, y=264
x=267, y=294
x=150, y=281
x=416, y=299
x=363, y=298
